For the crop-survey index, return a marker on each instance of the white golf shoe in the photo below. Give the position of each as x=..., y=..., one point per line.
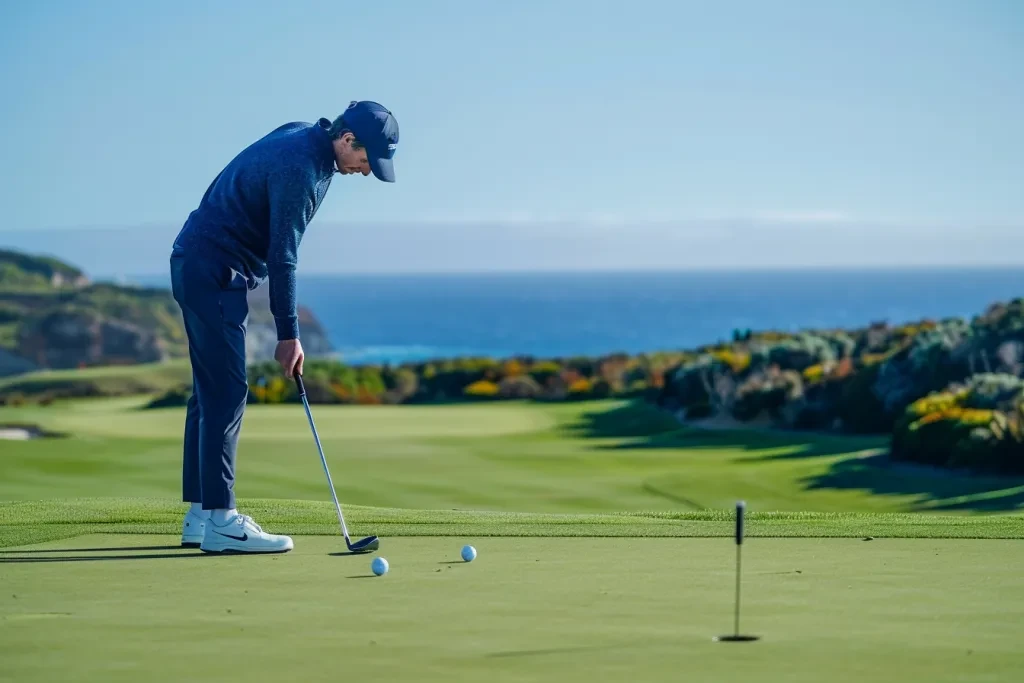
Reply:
x=192, y=530
x=242, y=535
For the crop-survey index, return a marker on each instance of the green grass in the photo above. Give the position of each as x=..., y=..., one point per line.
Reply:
x=604, y=532
x=23, y=523
x=143, y=378
x=608, y=456
x=112, y=609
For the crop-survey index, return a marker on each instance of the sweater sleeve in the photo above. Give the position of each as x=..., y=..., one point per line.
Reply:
x=292, y=203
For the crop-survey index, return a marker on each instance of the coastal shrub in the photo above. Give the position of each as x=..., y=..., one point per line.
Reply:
x=949, y=429
x=929, y=363
x=369, y=380
x=519, y=387
x=511, y=367
x=858, y=408
x=705, y=383
x=766, y=393
x=993, y=391
x=750, y=398
x=580, y=386
x=843, y=345
x=640, y=375
x=800, y=352
x=271, y=390
x=10, y=313
x=759, y=355
x=482, y=389
x=933, y=403
x=172, y=398
x=600, y=388
x=319, y=389
x=814, y=373
x=737, y=361
x=399, y=383
x=543, y=371
x=613, y=369
x=935, y=438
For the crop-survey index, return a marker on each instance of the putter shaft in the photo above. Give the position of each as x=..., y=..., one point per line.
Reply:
x=323, y=459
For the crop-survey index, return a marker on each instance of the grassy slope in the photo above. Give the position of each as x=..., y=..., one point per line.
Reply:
x=146, y=377
x=568, y=458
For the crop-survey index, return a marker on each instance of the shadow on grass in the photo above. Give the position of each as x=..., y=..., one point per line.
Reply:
x=108, y=549
x=640, y=426
x=98, y=558
x=935, y=489
x=351, y=553
x=866, y=467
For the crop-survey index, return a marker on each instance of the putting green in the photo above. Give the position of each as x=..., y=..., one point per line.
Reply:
x=127, y=608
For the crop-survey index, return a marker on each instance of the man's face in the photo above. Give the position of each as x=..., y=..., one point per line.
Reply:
x=351, y=160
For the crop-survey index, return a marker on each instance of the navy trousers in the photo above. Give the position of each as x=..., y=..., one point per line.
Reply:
x=215, y=308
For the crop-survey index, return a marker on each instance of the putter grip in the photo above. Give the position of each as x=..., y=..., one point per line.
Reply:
x=298, y=382
x=740, y=507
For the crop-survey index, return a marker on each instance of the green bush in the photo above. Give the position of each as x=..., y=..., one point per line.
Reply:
x=481, y=389
x=10, y=313
x=519, y=387
x=688, y=382
x=172, y=398
x=801, y=352
x=767, y=393
x=993, y=391
x=858, y=407
x=942, y=430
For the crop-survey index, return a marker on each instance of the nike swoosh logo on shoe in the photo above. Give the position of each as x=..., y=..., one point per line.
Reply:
x=243, y=537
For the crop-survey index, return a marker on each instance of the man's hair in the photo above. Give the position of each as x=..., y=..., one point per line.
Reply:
x=338, y=128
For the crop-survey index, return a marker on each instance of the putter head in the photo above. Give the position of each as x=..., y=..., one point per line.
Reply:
x=365, y=545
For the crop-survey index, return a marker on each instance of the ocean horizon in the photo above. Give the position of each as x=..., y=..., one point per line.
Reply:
x=395, y=318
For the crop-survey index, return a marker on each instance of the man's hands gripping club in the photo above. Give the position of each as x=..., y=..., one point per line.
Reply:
x=289, y=355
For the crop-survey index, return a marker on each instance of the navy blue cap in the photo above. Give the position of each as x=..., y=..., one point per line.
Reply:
x=376, y=128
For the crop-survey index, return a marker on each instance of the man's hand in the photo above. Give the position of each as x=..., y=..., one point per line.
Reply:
x=289, y=354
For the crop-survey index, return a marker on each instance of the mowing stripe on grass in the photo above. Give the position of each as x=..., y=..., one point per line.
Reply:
x=35, y=521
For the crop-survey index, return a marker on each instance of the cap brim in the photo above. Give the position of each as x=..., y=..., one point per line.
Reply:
x=383, y=168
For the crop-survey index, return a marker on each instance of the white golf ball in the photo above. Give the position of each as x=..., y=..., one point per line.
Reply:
x=379, y=566
x=468, y=553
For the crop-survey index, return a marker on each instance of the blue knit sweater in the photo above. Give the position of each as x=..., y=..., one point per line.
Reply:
x=255, y=212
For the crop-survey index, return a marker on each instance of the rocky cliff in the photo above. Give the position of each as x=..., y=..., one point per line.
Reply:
x=261, y=336
x=53, y=317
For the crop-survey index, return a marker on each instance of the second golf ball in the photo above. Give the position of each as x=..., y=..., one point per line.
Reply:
x=468, y=553
x=379, y=566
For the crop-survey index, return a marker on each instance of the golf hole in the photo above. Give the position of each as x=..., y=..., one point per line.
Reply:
x=736, y=639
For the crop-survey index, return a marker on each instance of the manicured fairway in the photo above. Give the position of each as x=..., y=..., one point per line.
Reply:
x=125, y=608
x=606, y=456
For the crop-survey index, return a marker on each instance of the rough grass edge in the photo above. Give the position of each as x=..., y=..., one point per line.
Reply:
x=30, y=522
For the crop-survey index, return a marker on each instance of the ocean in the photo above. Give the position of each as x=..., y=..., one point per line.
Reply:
x=392, y=318
x=397, y=318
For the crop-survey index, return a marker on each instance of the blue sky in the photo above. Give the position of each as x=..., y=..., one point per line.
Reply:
x=606, y=115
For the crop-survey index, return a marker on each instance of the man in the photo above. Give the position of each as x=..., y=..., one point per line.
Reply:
x=246, y=230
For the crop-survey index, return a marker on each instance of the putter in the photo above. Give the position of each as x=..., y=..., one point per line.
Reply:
x=368, y=544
